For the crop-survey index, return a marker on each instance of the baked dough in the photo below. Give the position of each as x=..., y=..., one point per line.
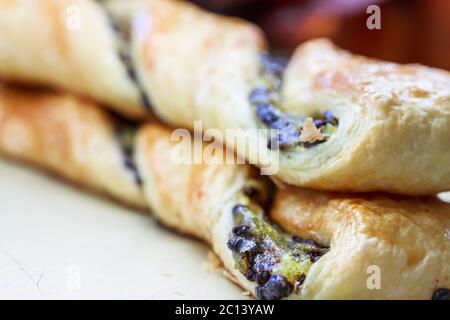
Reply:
x=407, y=238
x=394, y=120
x=71, y=137
x=41, y=43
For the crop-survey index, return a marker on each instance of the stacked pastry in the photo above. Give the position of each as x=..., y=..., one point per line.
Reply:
x=326, y=119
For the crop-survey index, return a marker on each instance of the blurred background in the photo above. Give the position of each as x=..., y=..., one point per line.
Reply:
x=411, y=30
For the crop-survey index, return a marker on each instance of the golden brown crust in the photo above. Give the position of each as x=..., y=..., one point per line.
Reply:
x=68, y=136
x=407, y=238
x=188, y=59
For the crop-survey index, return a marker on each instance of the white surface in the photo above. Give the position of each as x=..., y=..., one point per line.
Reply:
x=57, y=242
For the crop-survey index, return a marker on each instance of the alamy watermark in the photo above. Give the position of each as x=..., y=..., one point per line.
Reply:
x=210, y=147
x=374, y=20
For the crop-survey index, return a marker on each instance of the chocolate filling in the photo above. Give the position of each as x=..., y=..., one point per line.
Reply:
x=277, y=262
x=292, y=130
x=125, y=132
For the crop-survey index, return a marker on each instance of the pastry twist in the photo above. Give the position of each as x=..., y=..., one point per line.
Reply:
x=72, y=45
x=343, y=122
x=340, y=239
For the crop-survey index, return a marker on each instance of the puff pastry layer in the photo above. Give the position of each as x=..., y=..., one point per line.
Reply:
x=394, y=120
x=71, y=137
x=70, y=44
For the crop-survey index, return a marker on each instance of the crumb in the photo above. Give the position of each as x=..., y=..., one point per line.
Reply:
x=212, y=263
x=228, y=275
x=419, y=93
x=310, y=133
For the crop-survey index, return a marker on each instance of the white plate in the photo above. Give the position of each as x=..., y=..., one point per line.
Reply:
x=57, y=242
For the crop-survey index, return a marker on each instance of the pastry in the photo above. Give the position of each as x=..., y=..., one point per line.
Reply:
x=275, y=243
x=72, y=138
x=71, y=44
x=343, y=122
x=334, y=245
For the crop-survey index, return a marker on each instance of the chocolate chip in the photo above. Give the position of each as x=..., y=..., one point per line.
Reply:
x=261, y=277
x=242, y=230
x=277, y=287
x=287, y=133
x=314, y=256
x=288, y=137
x=267, y=113
x=441, y=294
x=114, y=24
x=250, y=275
x=247, y=245
x=240, y=245
x=250, y=192
x=319, y=123
x=309, y=242
x=282, y=124
x=328, y=116
x=260, y=95
x=251, y=256
x=308, y=145
x=234, y=243
x=300, y=280
x=126, y=59
x=131, y=166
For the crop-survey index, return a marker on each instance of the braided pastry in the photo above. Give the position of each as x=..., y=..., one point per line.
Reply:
x=338, y=237
x=72, y=44
x=70, y=137
x=345, y=122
